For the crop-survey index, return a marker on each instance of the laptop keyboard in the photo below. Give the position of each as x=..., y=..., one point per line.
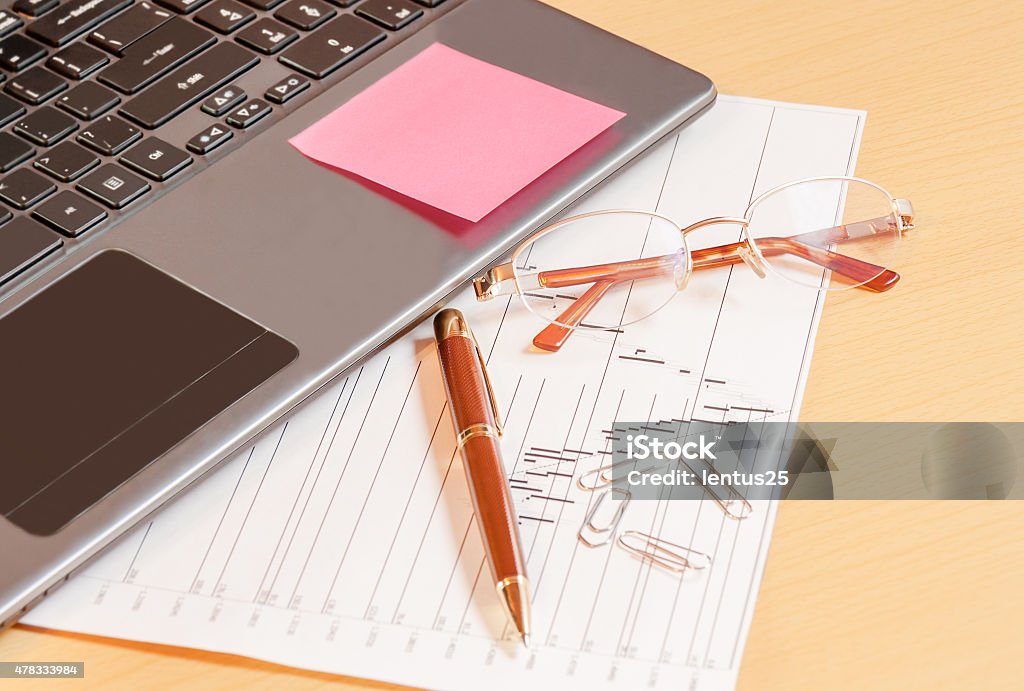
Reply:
x=91, y=90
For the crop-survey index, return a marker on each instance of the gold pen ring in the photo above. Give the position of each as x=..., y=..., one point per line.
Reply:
x=481, y=429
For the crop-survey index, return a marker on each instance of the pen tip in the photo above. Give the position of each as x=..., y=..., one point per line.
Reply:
x=515, y=597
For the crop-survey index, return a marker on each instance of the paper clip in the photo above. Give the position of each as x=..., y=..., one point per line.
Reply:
x=663, y=553
x=599, y=482
x=607, y=531
x=733, y=504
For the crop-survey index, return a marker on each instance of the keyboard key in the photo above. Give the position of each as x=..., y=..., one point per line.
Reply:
x=24, y=187
x=73, y=18
x=292, y=85
x=109, y=135
x=88, y=100
x=77, y=61
x=188, y=84
x=267, y=36
x=46, y=126
x=5, y=216
x=305, y=14
x=183, y=6
x=156, y=54
x=430, y=3
x=156, y=159
x=9, y=22
x=128, y=27
x=209, y=139
x=331, y=46
x=391, y=14
x=263, y=4
x=23, y=242
x=224, y=16
x=223, y=101
x=13, y=151
x=18, y=52
x=9, y=109
x=35, y=86
x=67, y=161
x=34, y=8
x=248, y=113
x=70, y=213
x=113, y=185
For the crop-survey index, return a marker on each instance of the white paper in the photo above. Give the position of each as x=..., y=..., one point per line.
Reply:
x=343, y=541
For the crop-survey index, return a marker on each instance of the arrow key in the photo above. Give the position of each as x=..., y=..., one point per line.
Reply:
x=248, y=113
x=224, y=16
x=223, y=101
x=69, y=213
x=67, y=161
x=286, y=88
x=209, y=139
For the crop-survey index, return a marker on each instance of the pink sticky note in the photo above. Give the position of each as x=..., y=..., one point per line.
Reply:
x=454, y=132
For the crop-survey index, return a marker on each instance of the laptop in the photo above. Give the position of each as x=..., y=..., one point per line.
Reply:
x=175, y=277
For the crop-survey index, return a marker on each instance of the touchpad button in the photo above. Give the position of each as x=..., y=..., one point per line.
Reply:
x=106, y=370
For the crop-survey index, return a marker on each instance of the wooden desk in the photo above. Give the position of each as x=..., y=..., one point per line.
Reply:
x=856, y=595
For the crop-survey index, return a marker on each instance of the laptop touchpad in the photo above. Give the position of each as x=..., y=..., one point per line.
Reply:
x=106, y=370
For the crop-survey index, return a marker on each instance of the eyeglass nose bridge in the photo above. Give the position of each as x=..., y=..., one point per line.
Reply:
x=750, y=256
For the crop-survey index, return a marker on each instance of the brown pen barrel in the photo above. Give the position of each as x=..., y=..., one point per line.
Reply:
x=481, y=455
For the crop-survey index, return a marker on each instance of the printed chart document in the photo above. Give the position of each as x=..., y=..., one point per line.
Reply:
x=344, y=539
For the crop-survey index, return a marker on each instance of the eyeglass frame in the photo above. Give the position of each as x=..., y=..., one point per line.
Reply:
x=488, y=285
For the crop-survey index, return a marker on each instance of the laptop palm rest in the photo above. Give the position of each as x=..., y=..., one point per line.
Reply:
x=106, y=370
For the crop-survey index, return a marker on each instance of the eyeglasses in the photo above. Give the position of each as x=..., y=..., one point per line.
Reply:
x=615, y=267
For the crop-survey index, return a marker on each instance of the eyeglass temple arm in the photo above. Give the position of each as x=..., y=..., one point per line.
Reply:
x=810, y=246
x=554, y=336
x=867, y=275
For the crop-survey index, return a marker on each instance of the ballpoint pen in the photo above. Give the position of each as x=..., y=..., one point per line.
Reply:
x=478, y=426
